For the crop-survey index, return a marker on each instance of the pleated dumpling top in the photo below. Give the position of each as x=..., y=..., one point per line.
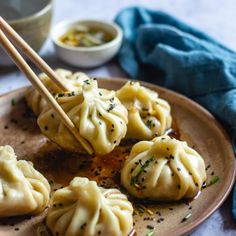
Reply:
x=163, y=169
x=73, y=82
x=97, y=113
x=23, y=190
x=84, y=209
x=148, y=115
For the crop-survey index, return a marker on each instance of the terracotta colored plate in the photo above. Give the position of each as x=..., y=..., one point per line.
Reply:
x=197, y=126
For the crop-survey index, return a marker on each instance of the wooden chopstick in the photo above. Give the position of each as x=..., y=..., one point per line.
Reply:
x=30, y=53
x=39, y=86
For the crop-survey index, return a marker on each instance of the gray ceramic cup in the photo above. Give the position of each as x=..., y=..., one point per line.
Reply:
x=30, y=18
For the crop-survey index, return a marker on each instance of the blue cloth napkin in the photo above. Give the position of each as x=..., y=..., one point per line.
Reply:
x=159, y=48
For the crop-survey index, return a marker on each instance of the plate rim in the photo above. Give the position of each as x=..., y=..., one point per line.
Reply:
x=189, y=227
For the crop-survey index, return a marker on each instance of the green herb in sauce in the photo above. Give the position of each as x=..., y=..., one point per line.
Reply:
x=188, y=216
x=134, y=179
x=83, y=36
x=150, y=233
x=13, y=102
x=214, y=180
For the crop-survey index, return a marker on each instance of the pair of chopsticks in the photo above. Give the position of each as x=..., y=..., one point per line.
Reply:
x=6, y=29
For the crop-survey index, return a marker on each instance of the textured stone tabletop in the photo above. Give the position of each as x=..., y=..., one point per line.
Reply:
x=215, y=17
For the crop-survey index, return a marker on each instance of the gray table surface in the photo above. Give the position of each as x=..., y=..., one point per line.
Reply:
x=216, y=17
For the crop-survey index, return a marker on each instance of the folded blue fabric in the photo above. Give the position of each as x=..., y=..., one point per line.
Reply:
x=160, y=49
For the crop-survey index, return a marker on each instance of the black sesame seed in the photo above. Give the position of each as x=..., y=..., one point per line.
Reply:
x=158, y=213
x=13, y=120
x=178, y=169
x=83, y=225
x=52, y=115
x=45, y=127
x=61, y=95
x=86, y=81
x=150, y=227
x=208, y=167
x=16, y=229
x=5, y=127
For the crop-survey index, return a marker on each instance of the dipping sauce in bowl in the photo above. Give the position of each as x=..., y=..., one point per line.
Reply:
x=84, y=36
x=86, y=43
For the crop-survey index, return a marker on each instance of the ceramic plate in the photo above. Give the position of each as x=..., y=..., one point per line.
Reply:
x=195, y=125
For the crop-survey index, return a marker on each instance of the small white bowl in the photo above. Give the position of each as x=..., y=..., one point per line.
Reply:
x=87, y=57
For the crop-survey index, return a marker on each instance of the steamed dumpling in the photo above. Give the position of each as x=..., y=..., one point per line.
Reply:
x=163, y=169
x=23, y=190
x=97, y=113
x=148, y=115
x=73, y=81
x=84, y=209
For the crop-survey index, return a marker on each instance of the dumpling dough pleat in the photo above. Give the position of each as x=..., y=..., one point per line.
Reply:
x=148, y=115
x=23, y=190
x=98, y=114
x=73, y=82
x=163, y=169
x=84, y=209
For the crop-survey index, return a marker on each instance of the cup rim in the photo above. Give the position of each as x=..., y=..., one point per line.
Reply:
x=118, y=37
x=28, y=18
